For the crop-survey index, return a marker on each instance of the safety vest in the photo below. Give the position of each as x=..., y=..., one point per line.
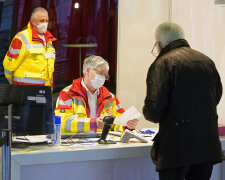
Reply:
x=72, y=107
x=29, y=60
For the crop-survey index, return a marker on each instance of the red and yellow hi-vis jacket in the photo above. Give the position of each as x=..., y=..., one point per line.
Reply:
x=29, y=61
x=72, y=107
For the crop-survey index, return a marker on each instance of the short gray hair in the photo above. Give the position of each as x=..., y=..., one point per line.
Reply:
x=168, y=32
x=36, y=11
x=95, y=62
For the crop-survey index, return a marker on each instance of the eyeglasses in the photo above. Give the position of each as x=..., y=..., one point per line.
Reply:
x=154, y=49
x=102, y=73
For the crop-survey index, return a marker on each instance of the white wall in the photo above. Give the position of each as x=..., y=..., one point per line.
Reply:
x=137, y=19
x=204, y=26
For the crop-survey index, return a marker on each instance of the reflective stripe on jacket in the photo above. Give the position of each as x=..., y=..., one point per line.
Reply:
x=29, y=60
x=72, y=107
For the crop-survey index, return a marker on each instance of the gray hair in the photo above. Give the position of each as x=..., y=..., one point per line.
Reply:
x=36, y=11
x=95, y=62
x=168, y=32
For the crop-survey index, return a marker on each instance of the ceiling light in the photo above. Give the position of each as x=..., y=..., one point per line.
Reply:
x=76, y=5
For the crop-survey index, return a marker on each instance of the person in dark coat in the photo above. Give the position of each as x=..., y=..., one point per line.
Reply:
x=183, y=91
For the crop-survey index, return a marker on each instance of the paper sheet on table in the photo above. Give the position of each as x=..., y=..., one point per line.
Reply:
x=129, y=114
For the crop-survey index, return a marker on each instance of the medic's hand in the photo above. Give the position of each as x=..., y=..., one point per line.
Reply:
x=132, y=124
x=100, y=123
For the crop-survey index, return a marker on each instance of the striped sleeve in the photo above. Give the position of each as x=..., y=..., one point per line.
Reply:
x=15, y=48
x=72, y=121
x=64, y=101
x=118, y=107
x=10, y=61
x=118, y=110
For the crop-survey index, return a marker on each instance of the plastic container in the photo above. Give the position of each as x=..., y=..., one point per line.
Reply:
x=56, y=137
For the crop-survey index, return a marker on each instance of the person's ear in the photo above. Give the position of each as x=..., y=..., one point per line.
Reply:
x=159, y=47
x=32, y=22
x=87, y=71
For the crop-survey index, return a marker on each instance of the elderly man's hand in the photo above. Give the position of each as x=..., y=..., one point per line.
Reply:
x=132, y=124
x=100, y=123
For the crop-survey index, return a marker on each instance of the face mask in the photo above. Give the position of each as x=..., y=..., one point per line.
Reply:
x=98, y=81
x=42, y=28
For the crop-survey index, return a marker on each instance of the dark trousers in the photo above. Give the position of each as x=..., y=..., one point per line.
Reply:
x=194, y=172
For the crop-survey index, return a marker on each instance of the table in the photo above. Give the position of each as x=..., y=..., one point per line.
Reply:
x=90, y=161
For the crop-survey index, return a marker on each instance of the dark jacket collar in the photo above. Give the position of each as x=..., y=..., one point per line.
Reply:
x=173, y=45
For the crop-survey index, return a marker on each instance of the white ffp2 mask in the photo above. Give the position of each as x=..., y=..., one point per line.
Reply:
x=42, y=28
x=98, y=81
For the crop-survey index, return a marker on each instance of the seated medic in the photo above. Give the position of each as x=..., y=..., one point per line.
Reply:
x=84, y=103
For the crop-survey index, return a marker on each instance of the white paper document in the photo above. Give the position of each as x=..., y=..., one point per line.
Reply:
x=129, y=114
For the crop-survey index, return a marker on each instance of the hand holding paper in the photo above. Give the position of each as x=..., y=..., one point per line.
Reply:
x=129, y=114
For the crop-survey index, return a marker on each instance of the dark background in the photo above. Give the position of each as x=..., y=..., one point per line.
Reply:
x=95, y=21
